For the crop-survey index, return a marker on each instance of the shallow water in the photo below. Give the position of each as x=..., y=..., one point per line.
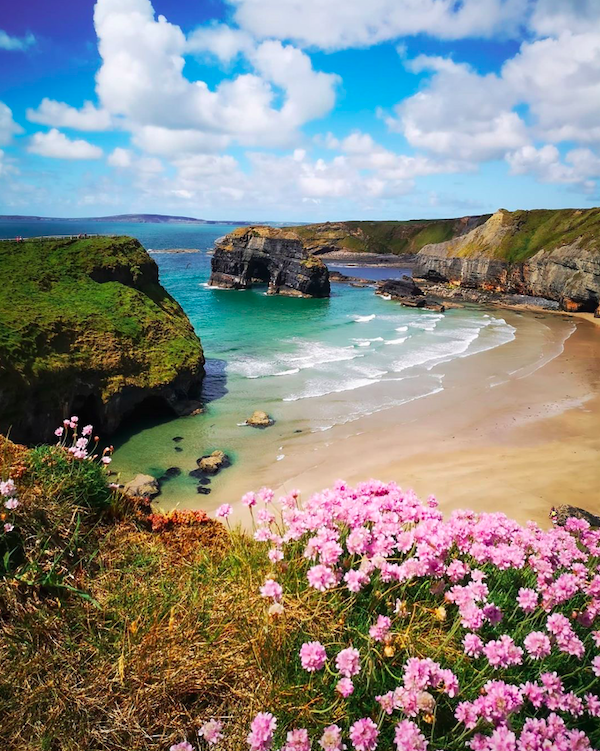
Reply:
x=311, y=364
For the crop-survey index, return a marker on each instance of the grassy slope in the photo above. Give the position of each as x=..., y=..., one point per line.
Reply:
x=406, y=237
x=528, y=232
x=57, y=323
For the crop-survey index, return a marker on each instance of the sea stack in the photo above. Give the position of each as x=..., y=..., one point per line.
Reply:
x=268, y=255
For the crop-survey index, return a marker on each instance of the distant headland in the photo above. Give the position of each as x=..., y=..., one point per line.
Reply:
x=134, y=218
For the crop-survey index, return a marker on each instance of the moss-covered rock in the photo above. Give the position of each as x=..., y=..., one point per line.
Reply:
x=86, y=328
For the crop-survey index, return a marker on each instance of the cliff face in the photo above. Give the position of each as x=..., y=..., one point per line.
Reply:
x=550, y=254
x=400, y=238
x=267, y=254
x=86, y=328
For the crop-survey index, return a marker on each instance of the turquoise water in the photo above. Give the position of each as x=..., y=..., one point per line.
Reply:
x=311, y=364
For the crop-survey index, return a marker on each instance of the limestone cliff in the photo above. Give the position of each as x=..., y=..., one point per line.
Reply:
x=268, y=255
x=86, y=328
x=549, y=254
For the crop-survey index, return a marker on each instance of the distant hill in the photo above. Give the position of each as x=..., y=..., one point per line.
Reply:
x=134, y=218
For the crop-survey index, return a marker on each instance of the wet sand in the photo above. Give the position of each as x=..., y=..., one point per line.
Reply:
x=517, y=443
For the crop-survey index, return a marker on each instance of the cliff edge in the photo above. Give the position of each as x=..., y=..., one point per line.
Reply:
x=86, y=328
x=554, y=254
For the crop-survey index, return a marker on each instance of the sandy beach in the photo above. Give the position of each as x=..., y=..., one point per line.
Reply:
x=518, y=444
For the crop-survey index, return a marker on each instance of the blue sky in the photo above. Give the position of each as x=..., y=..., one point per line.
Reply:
x=302, y=110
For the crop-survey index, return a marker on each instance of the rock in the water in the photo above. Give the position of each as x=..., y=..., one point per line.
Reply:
x=202, y=490
x=212, y=463
x=260, y=419
x=142, y=486
x=171, y=472
x=406, y=292
x=178, y=438
x=178, y=448
x=560, y=514
x=268, y=255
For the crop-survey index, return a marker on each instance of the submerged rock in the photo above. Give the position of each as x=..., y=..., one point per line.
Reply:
x=260, y=419
x=142, y=486
x=408, y=293
x=268, y=255
x=213, y=463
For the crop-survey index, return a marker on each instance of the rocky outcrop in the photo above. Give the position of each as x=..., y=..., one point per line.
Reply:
x=406, y=292
x=560, y=514
x=552, y=255
x=268, y=255
x=212, y=463
x=259, y=419
x=87, y=329
x=142, y=486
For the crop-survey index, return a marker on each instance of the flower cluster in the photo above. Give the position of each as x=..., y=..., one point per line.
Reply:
x=79, y=442
x=8, y=492
x=518, y=666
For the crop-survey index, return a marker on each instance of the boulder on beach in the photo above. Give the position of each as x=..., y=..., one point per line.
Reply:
x=142, y=486
x=212, y=463
x=260, y=419
x=560, y=514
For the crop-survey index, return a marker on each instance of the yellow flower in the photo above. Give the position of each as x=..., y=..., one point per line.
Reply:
x=440, y=613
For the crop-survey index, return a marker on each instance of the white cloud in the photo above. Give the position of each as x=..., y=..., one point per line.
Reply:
x=338, y=24
x=61, y=115
x=142, y=79
x=172, y=142
x=8, y=127
x=13, y=44
x=120, y=158
x=580, y=166
x=56, y=145
x=553, y=17
x=220, y=40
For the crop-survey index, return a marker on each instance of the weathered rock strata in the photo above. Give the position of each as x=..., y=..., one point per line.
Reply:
x=568, y=274
x=408, y=293
x=276, y=257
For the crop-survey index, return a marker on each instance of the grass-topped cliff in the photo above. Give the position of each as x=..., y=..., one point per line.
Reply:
x=85, y=325
x=399, y=238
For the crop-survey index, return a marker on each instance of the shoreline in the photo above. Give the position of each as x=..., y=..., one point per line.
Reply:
x=519, y=446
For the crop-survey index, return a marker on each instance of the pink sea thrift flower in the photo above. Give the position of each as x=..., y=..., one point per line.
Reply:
x=348, y=662
x=355, y=580
x=297, y=740
x=271, y=589
x=106, y=460
x=8, y=527
x=11, y=504
x=380, y=630
x=345, y=687
x=473, y=645
x=312, y=656
x=275, y=555
x=331, y=740
x=262, y=728
x=596, y=666
x=7, y=488
x=249, y=499
x=266, y=495
x=211, y=731
x=87, y=430
x=527, y=599
x=58, y=432
x=363, y=734
x=503, y=652
x=408, y=737
x=537, y=645
x=183, y=746
x=223, y=511
x=321, y=577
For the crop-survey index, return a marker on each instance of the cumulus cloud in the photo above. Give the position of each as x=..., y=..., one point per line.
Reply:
x=171, y=142
x=8, y=127
x=120, y=158
x=220, y=40
x=338, y=24
x=61, y=115
x=141, y=78
x=56, y=145
x=579, y=167
x=15, y=44
x=552, y=17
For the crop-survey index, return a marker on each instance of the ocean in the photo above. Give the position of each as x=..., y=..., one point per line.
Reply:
x=311, y=364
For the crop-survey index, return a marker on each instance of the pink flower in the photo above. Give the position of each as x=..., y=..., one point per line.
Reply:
x=527, y=599
x=363, y=734
x=297, y=740
x=348, y=662
x=408, y=737
x=8, y=527
x=211, y=731
x=265, y=495
x=249, y=499
x=321, y=577
x=262, y=728
x=75, y=419
x=106, y=460
x=223, y=511
x=596, y=666
x=7, y=488
x=312, y=656
x=473, y=645
x=381, y=628
x=355, y=580
x=58, y=432
x=183, y=746
x=345, y=687
x=503, y=652
x=87, y=430
x=331, y=740
x=271, y=589
x=537, y=645
x=275, y=555
x=11, y=504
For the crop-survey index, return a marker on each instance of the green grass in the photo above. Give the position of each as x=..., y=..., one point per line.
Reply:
x=86, y=309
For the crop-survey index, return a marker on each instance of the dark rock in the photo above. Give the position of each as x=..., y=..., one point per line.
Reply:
x=171, y=472
x=178, y=438
x=178, y=448
x=268, y=255
x=201, y=489
x=560, y=514
x=408, y=293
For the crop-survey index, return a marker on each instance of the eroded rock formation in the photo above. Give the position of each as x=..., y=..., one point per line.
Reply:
x=268, y=255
